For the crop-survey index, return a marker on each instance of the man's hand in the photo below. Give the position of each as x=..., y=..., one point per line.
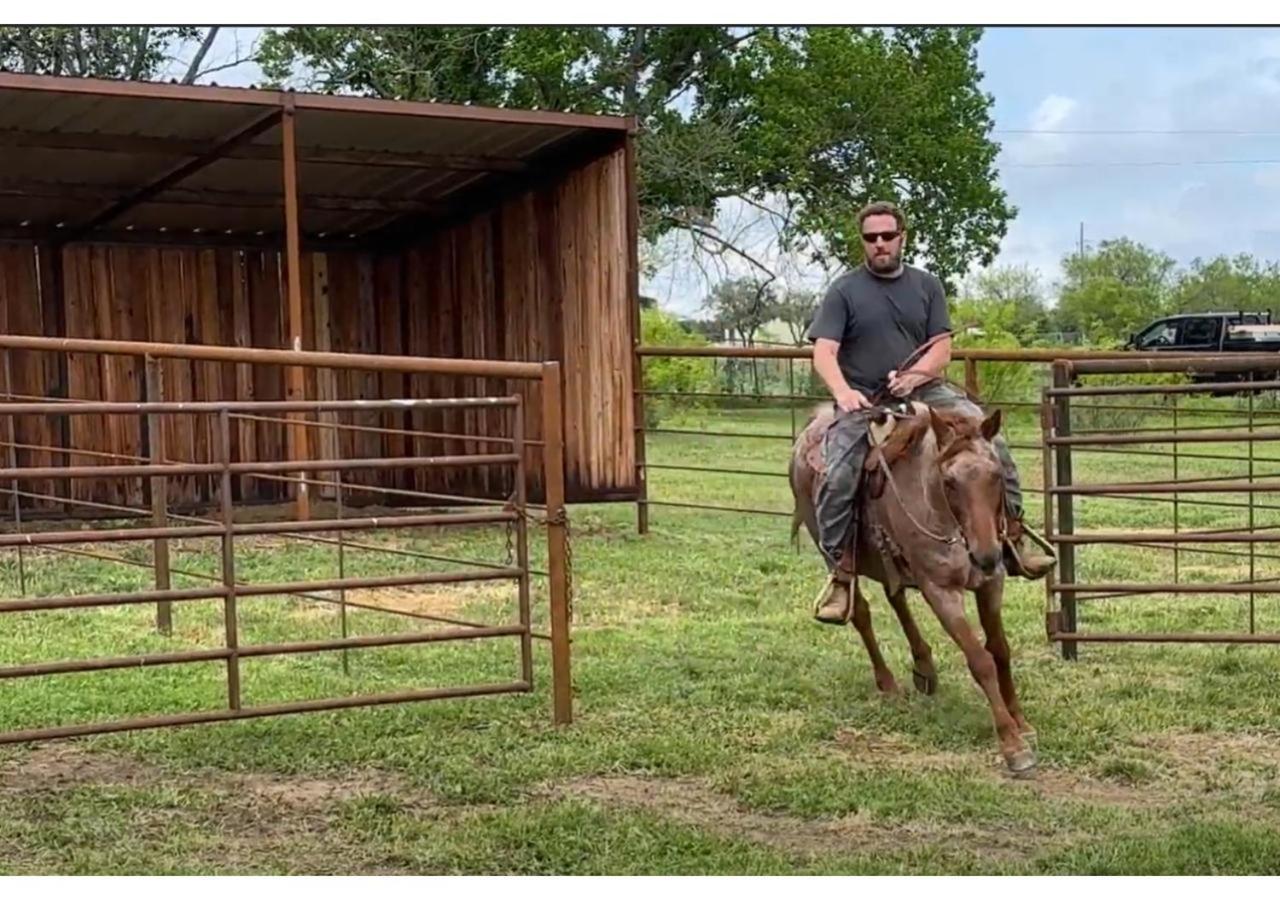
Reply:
x=902, y=385
x=851, y=400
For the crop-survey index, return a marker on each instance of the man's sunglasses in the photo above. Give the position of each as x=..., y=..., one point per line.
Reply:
x=886, y=236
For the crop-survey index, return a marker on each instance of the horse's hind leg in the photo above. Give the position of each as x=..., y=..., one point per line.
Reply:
x=885, y=682
x=923, y=672
x=949, y=607
x=990, y=599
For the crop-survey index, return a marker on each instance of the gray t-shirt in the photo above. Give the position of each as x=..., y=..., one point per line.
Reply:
x=879, y=322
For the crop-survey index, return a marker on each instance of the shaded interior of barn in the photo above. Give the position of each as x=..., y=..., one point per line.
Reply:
x=156, y=213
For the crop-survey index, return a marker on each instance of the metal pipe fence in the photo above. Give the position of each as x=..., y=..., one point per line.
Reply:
x=1128, y=418
x=162, y=529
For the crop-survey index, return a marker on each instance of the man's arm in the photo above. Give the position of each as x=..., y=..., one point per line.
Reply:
x=936, y=358
x=826, y=363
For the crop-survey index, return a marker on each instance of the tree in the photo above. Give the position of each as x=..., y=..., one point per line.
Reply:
x=1011, y=295
x=1114, y=291
x=1228, y=283
x=133, y=53
x=796, y=309
x=741, y=306
x=825, y=118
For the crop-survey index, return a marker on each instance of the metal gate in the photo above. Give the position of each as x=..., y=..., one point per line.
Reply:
x=1210, y=432
x=159, y=527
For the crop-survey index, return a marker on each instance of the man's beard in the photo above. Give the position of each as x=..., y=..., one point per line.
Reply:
x=884, y=265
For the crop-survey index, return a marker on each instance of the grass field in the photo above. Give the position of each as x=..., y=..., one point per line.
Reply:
x=720, y=730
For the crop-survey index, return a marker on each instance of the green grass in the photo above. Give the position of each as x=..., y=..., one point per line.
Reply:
x=719, y=730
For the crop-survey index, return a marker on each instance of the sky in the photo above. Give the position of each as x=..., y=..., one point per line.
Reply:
x=1156, y=174
x=1171, y=192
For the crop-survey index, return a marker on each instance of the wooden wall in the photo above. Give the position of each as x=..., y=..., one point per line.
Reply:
x=543, y=276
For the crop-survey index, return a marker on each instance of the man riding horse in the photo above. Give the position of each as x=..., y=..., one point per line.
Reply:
x=870, y=325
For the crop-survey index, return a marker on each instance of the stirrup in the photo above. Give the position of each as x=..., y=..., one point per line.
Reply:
x=824, y=595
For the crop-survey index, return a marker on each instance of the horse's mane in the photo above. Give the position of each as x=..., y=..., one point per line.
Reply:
x=960, y=429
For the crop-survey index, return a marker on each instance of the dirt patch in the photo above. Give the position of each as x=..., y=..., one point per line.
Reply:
x=896, y=751
x=58, y=767
x=1064, y=784
x=448, y=602
x=692, y=802
x=1194, y=750
x=870, y=748
x=240, y=821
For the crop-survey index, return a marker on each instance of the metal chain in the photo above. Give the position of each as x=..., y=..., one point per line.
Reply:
x=544, y=522
x=511, y=550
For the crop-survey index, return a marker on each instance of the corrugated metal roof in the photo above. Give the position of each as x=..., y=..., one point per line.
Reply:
x=69, y=148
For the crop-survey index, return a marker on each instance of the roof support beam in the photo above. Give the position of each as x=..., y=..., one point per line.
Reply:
x=295, y=383
x=51, y=190
x=175, y=174
x=137, y=144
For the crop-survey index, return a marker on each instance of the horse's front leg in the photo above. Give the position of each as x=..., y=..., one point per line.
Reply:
x=885, y=681
x=923, y=672
x=990, y=601
x=948, y=605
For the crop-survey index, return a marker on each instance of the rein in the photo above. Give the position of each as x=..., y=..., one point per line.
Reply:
x=946, y=540
x=956, y=538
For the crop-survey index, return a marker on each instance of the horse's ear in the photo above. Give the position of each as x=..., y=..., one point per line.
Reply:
x=991, y=425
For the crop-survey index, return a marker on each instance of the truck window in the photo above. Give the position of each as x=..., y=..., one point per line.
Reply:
x=1161, y=334
x=1200, y=332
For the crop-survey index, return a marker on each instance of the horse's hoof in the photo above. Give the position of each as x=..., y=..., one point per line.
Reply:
x=925, y=684
x=1022, y=764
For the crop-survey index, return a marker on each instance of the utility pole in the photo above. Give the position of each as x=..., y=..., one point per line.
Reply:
x=1082, y=240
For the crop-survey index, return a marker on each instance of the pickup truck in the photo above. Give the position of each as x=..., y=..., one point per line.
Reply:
x=1210, y=332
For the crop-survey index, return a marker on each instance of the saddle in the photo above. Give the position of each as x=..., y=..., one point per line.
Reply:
x=884, y=421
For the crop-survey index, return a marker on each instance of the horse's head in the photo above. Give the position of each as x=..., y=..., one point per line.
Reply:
x=973, y=480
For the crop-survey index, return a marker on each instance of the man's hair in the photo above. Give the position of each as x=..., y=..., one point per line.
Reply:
x=882, y=208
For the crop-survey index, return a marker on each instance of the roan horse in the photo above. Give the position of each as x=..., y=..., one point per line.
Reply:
x=930, y=517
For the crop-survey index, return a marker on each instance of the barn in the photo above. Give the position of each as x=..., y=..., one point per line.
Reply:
x=254, y=218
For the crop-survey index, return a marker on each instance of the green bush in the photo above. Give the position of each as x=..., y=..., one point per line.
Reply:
x=679, y=374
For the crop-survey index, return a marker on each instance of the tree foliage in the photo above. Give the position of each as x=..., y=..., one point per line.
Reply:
x=1108, y=294
x=826, y=118
x=135, y=52
x=1010, y=298
x=1228, y=283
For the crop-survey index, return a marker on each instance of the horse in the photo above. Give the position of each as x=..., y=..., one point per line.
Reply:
x=931, y=517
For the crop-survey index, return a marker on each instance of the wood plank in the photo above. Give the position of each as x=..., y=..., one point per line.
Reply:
x=23, y=314
x=322, y=383
x=391, y=336
x=369, y=444
x=83, y=372
x=242, y=329
x=128, y=383
x=262, y=278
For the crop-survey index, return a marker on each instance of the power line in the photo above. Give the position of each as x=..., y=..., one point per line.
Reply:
x=1137, y=131
x=1142, y=163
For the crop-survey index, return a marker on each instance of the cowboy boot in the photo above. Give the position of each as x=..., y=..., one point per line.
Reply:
x=1029, y=559
x=834, y=603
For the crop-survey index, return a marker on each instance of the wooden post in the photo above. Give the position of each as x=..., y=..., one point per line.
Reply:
x=159, y=493
x=557, y=541
x=295, y=382
x=971, y=377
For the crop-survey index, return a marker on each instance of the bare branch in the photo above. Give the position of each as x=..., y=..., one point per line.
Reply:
x=193, y=70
